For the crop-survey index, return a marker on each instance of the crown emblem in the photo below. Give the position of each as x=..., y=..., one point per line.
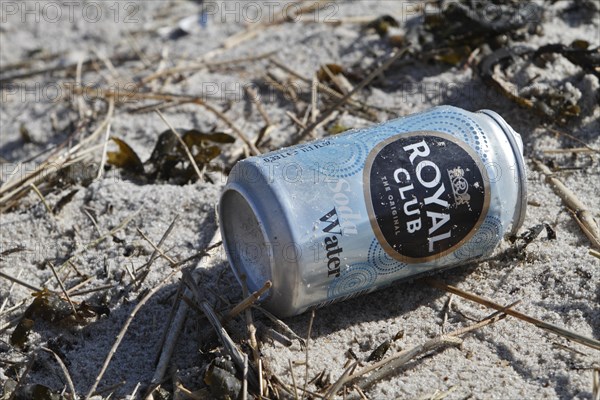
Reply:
x=460, y=186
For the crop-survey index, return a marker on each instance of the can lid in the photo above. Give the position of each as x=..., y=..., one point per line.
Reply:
x=516, y=143
x=244, y=239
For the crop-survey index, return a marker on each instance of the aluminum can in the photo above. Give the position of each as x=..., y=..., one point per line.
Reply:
x=348, y=214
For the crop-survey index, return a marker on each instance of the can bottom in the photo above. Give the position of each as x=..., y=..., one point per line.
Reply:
x=245, y=240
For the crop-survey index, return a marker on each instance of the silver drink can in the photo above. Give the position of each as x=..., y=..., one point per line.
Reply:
x=348, y=214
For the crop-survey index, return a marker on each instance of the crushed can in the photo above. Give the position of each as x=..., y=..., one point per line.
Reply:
x=348, y=214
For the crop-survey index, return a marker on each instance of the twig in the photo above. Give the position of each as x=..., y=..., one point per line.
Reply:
x=251, y=330
x=20, y=282
x=281, y=325
x=121, y=334
x=393, y=363
x=65, y=371
x=446, y=310
x=230, y=347
x=310, y=324
x=183, y=144
x=340, y=382
x=596, y=384
x=293, y=379
x=94, y=243
x=356, y=89
x=587, y=146
x=62, y=287
x=12, y=286
x=156, y=248
x=595, y=253
x=245, y=378
x=246, y=303
x=593, y=343
x=154, y=254
x=111, y=107
x=255, y=99
x=582, y=215
x=175, y=326
x=329, y=91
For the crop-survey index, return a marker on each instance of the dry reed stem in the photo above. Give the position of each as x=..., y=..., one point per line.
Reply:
x=176, y=324
x=12, y=286
x=13, y=187
x=246, y=303
x=157, y=248
x=589, y=342
x=582, y=215
x=293, y=379
x=251, y=331
x=390, y=365
x=327, y=90
x=282, y=325
x=20, y=282
x=62, y=287
x=596, y=384
x=310, y=324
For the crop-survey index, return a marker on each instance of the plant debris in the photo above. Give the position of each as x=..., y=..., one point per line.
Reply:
x=53, y=308
x=169, y=161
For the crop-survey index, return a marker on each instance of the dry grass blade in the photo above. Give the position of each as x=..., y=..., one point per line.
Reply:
x=582, y=215
x=386, y=64
x=12, y=286
x=95, y=242
x=17, y=185
x=20, y=282
x=310, y=324
x=124, y=329
x=111, y=105
x=62, y=287
x=42, y=198
x=593, y=343
x=65, y=371
x=245, y=378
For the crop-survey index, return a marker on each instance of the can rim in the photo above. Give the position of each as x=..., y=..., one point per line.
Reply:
x=511, y=135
